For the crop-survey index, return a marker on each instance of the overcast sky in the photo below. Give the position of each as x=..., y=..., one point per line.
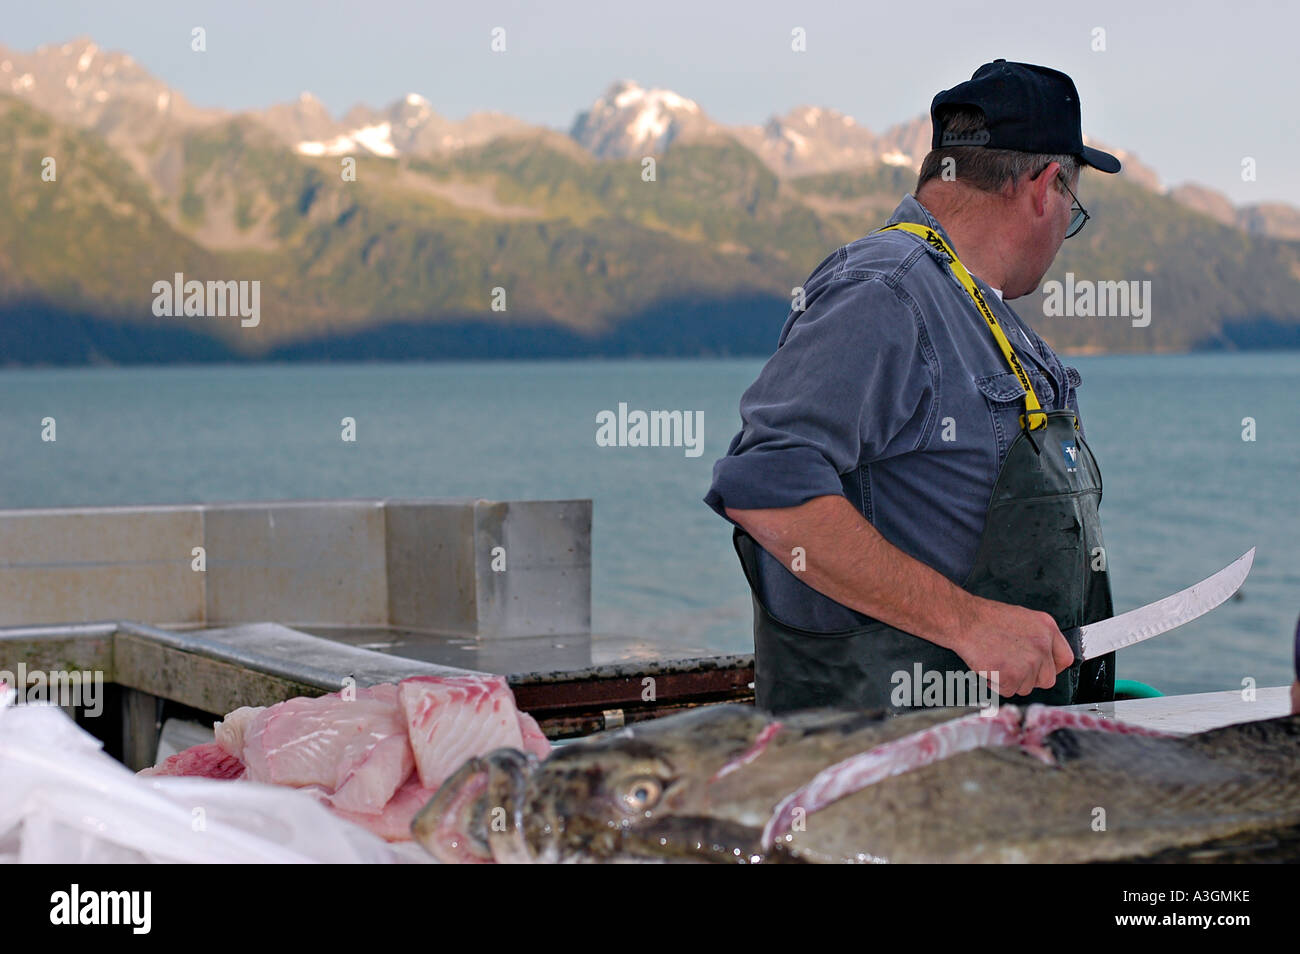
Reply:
x=1191, y=87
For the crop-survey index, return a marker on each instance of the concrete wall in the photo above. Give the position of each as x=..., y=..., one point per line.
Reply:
x=461, y=566
x=296, y=561
x=490, y=568
x=63, y=566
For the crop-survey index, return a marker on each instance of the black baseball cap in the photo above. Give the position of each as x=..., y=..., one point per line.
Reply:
x=1027, y=108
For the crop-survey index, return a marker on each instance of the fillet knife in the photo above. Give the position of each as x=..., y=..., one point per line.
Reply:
x=1127, y=629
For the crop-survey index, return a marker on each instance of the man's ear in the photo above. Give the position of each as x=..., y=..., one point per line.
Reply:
x=1039, y=185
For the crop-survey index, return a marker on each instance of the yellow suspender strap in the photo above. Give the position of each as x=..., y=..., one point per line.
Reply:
x=1037, y=417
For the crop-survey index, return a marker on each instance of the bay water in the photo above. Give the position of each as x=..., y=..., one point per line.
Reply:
x=1184, y=494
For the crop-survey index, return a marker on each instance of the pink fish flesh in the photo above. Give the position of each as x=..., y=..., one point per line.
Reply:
x=354, y=748
x=208, y=760
x=451, y=719
x=360, y=754
x=394, y=822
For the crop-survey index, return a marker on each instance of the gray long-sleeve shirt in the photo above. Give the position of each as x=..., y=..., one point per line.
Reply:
x=888, y=389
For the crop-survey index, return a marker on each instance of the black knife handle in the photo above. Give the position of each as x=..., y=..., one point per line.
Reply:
x=1074, y=636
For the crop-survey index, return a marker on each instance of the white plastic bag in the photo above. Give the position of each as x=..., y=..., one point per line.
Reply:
x=63, y=800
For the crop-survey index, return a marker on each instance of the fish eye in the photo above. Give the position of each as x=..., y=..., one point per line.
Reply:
x=641, y=794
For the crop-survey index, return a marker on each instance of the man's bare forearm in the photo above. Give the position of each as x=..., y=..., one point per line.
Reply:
x=846, y=558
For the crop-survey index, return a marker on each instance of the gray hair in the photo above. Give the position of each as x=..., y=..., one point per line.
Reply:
x=989, y=170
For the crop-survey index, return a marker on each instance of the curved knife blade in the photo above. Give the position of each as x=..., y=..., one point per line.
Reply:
x=1126, y=629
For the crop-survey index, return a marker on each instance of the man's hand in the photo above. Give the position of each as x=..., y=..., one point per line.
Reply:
x=1021, y=649
x=847, y=559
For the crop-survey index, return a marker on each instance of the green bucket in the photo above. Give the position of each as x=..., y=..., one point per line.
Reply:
x=1132, y=689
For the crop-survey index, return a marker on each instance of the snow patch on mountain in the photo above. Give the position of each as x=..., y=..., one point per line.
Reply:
x=376, y=139
x=630, y=120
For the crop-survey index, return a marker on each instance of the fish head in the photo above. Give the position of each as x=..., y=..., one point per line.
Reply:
x=474, y=817
x=632, y=794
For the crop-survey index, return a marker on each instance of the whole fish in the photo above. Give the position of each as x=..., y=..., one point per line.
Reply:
x=732, y=784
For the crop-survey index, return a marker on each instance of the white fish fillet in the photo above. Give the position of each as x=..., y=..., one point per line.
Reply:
x=394, y=823
x=360, y=756
x=230, y=731
x=451, y=719
x=356, y=749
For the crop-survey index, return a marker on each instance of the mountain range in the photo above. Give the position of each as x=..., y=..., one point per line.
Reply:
x=493, y=237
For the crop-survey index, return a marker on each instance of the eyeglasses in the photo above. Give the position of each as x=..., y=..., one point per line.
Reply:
x=1079, y=215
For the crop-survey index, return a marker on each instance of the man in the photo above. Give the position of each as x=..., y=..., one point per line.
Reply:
x=911, y=462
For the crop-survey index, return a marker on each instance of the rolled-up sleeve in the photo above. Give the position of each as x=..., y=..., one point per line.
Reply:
x=848, y=384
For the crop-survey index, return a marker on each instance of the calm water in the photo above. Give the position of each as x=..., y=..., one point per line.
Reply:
x=1184, y=494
